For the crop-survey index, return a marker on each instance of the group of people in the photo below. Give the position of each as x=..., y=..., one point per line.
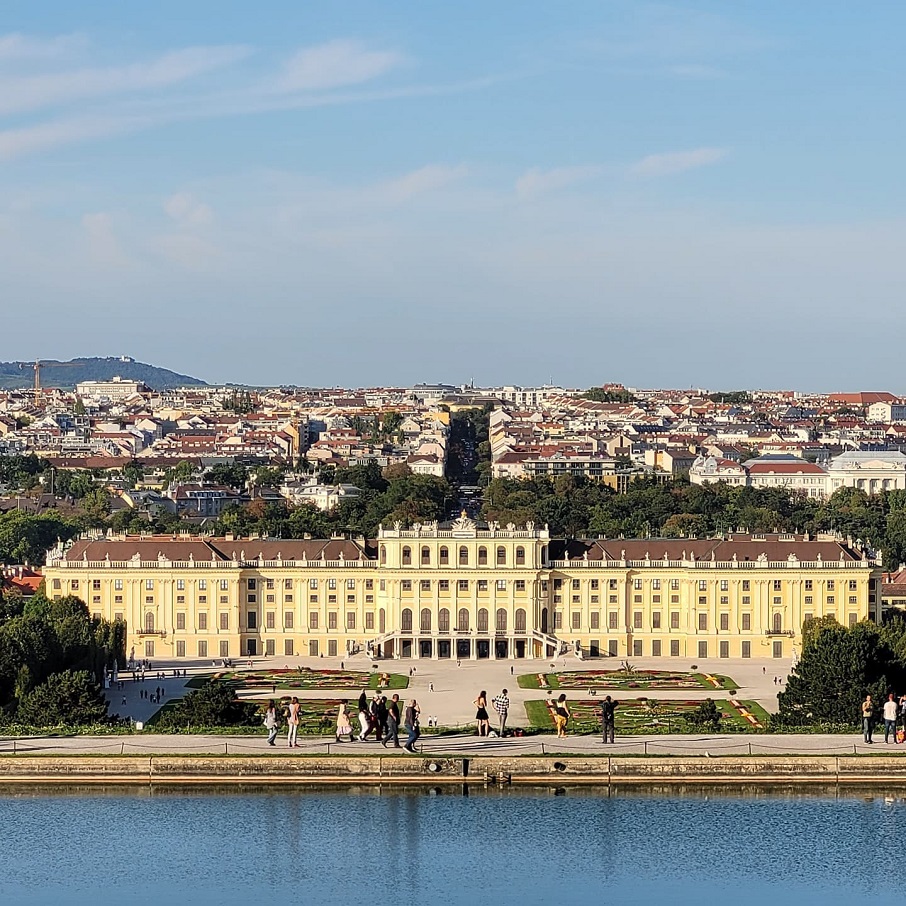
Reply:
x=382, y=718
x=501, y=705
x=893, y=712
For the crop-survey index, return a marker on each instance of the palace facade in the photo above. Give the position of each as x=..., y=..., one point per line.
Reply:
x=464, y=590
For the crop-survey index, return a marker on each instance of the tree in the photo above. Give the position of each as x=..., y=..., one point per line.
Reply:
x=234, y=475
x=213, y=705
x=615, y=395
x=181, y=472
x=69, y=698
x=133, y=473
x=26, y=539
x=838, y=667
x=390, y=423
x=705, y=717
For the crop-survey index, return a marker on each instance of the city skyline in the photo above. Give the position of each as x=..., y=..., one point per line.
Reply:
x=403, y=194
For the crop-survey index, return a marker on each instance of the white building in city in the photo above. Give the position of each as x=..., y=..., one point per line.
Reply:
x=870, y=471
x=114, y=390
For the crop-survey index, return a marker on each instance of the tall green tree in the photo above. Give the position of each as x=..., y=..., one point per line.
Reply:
x=838, y=667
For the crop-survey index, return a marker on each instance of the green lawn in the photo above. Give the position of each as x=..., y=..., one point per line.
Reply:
x=645, y=716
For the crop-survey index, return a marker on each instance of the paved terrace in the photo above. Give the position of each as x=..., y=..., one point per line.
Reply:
x=455, y=688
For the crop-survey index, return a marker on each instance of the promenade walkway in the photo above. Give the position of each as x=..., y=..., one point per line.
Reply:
x=706, y=746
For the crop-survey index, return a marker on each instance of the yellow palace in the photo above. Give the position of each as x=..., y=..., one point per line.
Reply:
x=467, y=591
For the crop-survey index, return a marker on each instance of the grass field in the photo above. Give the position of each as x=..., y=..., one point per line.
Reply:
x=640, y=716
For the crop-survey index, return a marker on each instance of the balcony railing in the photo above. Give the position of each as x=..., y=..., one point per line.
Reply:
x=790, y=633
x=157, y=632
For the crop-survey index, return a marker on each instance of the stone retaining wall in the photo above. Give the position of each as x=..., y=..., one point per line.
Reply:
x=616, y=770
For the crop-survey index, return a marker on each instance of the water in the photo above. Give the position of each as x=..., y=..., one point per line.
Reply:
x=549, y=847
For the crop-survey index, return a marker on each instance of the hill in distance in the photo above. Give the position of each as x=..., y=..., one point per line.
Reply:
x=65, y=375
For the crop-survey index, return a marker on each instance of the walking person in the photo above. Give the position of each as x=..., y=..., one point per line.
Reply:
x=561, y=715
x=890, y=718
x=481, y=714
x=903, y=710
x=393, y=722
x=376, y=717
x=293, y=723
x=412, y=713
x=344, y=727
x=502, y=707
x=868, y=718
x=364, y=717
x=270, y=721
x=608, y=707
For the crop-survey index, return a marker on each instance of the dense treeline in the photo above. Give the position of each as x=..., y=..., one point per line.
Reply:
x=577, y=507
x=53, y=655
x=387, y=495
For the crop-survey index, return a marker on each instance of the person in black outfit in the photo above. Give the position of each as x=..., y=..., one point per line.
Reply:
x=376, y=716
x=393, y=722
x=608, y=707
x=382, y=714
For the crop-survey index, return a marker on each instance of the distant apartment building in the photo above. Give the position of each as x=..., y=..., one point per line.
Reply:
x=115, y=389
x=887, y=411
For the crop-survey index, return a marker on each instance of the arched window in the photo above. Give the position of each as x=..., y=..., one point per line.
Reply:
x=520, y=556
x=463, y=556
x=444, y=556
x=383, y=555
x=426, y=556
x=520, y=620
x=501, y=556
x=483, y=619
x=382, y=621
x=544, y=554
x=149, y=622
x=406, y=620
x=425, y=620
x=443, y=620
x=544, y=619
x=407, y=556
x=501, y=619
x=462, y=622
x=482, y=556
x=778, y=622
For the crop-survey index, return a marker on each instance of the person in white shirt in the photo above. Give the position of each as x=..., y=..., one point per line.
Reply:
x=890, y=718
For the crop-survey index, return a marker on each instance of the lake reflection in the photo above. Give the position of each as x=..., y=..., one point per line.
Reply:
x=117, y=846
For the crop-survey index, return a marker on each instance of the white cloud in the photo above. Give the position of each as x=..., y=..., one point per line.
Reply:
x=16, y=142
x=33, y=92
x=676, y=161
x=536, y=181
x=425, y=179
x=187, y=210
x=335, y=64
x=18, y=47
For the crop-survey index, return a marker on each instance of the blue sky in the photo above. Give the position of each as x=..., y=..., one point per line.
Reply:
x=664, y=194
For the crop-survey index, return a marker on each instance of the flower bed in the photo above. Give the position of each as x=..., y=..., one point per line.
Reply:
x=636, y=679
x=642, y=716
x=305, y=678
